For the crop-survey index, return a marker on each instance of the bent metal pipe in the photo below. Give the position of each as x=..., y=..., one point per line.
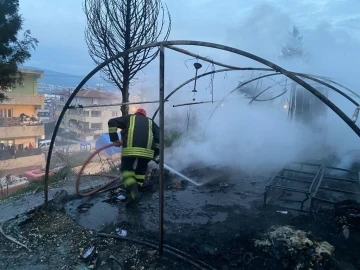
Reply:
x=314, y=78
x=161, y=44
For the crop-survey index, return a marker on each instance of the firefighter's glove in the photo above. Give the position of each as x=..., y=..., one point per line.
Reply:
x=156, y=160
x=117, y=143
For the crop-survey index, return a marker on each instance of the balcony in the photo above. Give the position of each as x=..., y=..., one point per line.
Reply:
x=13, y=132
x=9, y=154
x=18, y=121
x=24, y=99
x=92, y=132
x=82, y=131
x=81, y=117
x=77, y=117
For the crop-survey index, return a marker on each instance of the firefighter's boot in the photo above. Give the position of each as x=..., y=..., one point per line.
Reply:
x=144, y=183
x=131, y=185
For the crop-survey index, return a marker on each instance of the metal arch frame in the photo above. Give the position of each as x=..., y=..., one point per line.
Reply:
x=162, y=45
x=207, y=59
x=204, y=75
x=307, y=76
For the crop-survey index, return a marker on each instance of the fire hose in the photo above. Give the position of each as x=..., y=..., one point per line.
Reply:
x=168, y=249
x=87, y=161
x=115, y=178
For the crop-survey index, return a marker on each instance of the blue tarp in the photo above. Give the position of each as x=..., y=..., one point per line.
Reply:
x=84, y=143
x=104, y=140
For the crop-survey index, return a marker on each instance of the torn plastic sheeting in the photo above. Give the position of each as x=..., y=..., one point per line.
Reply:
x=122, y=233
x=347, y=213
x=104, y=140
x=121, y=198
x=286, y=244
x=89, y=254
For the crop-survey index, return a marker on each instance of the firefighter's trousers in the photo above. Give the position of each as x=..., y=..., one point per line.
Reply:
x=133, y=170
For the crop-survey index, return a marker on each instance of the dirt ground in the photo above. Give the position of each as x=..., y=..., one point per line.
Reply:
x=216, y=223
x=55, y=241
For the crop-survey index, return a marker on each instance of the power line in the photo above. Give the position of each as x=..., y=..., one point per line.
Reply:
x=109, y=105
x=77, y=76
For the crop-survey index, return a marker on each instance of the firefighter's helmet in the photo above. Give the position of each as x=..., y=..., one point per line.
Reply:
x=141, y=111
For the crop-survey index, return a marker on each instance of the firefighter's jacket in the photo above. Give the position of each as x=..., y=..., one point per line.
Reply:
x=140, y=135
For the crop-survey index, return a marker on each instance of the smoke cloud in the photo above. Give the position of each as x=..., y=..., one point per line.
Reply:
x=260, y=137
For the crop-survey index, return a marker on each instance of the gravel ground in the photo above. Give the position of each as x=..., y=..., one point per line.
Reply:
x=57, y=242
x=217, y=223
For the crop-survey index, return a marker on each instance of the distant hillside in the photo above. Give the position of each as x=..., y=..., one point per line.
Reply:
x=69, y=80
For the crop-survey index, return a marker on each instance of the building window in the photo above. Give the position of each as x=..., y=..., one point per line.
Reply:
x=86, y=113
x=6, y=143
x=43, y=114
x=95, y=113
x=94, y=101
x=114, y=114
x=96, y=125
x=6, y=112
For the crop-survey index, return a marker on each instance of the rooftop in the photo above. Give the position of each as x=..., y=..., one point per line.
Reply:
x=38, y=72
x=90, y=93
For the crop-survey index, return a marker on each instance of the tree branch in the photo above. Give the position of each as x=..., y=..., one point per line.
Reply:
x=116, y=25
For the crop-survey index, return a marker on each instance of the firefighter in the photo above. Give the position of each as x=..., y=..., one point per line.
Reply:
x=140, y=138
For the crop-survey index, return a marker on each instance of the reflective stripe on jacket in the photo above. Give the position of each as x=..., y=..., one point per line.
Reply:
x=140, y=135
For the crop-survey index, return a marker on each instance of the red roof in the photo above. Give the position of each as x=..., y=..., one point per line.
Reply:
x=90, y=93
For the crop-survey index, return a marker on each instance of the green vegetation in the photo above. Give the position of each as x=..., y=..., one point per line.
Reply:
x=13, y=51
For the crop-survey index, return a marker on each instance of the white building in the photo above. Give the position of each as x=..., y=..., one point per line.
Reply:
x=87, y=124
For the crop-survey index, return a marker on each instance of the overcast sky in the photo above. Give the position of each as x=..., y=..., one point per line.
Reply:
x=331, y=30
x=59, y=25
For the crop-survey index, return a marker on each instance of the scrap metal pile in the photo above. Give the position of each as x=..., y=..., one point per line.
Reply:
x=305, y=186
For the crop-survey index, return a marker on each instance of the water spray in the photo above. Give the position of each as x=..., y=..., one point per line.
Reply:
x=183, y=176
x=113, y=178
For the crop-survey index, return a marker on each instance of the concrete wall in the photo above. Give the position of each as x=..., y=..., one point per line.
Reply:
x=25, y=99
x=17, y=132
x=28, y=86
x=17, y=109
x=20, y=165
x=7, y=191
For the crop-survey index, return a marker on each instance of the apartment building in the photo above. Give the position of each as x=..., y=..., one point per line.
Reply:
x=20, y=129
x=89, y=123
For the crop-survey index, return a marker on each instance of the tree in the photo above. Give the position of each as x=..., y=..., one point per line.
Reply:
x=294, y=45
x=13, y=51
x=114, y=26
x=292, y=50
x=303, y=106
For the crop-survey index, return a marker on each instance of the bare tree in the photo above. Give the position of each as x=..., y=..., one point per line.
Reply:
x=117, y=25
x=303, y=106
